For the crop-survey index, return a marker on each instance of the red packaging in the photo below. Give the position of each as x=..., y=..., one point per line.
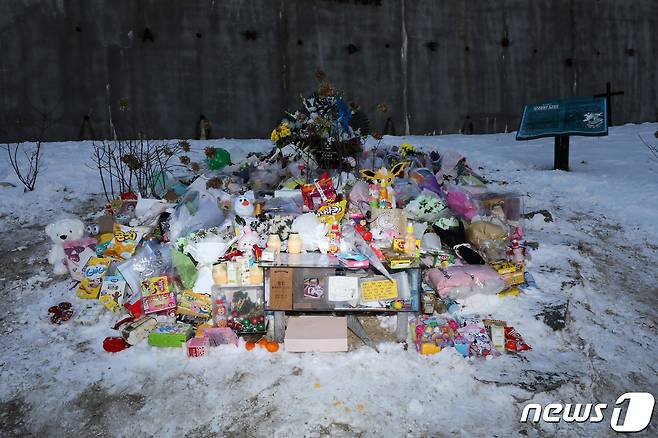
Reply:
x=514, y=342
x=136, y=309
x=320, y=192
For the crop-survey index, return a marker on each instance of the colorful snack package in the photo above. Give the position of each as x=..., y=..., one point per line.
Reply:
x=514, y=342
x=320, y=192
x=92, y=278
x=112, y=291
x=332, y=213
x=480, y=343
x=194, y=304
x=496, y=330
x=155, y=286
x=157, y=295
x=159, y=302
x=125, y=241
x=78, y=253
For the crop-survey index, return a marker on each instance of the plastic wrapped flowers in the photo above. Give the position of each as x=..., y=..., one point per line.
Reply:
x=426, y=207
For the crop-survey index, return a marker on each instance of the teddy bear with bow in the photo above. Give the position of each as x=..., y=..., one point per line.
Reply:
x=60, y=232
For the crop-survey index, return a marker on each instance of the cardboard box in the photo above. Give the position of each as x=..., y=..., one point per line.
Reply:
x=316, y=334
x=170, y=335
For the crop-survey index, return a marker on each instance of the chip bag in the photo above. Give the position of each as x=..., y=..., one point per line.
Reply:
x=125, y=241
x=332, y=213
x=320, y=192
x=514, y=342
x=92, y=278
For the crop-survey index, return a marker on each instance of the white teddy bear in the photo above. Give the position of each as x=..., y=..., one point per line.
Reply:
x=64, y=230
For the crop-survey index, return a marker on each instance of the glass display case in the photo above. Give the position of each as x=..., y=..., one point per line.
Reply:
x=315, y=282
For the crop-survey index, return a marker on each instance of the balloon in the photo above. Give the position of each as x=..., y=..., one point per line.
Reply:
x=219, y=160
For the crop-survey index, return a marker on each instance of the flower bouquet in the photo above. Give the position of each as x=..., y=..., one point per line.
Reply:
x=325, y=132
x=206, y=247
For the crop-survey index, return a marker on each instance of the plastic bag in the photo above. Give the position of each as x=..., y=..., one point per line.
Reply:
x=405, y=190
x=151, y=260
x=479, y=232
x=460, y=282
x=185, y=268
x=460, y=202
x=199, y=209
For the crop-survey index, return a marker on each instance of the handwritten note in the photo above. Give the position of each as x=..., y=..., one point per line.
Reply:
x=378, y=290
x=343, y=288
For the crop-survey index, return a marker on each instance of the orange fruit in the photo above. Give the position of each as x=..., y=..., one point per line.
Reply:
x=272, y=347
x=262, y=342
x=249, y=346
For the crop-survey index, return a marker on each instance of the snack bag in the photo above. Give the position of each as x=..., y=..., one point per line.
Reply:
x=112, y=291
x=332, y=213
x=125, y=241
x=155, y=286
x=320, y=192
x=157, y=295
x=92, y=278
x=514, y=342
x=78, y=253
x=480, y=343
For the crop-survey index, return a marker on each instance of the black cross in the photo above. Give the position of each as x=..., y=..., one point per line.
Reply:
x=608, y=99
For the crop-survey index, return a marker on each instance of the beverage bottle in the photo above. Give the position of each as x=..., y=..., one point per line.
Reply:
x=410, y=241
x=221, y=319
x=334, y=238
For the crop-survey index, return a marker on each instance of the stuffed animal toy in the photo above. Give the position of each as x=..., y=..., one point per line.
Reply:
x=381, y=182
x=247, y=241
x=64, y=230
x=244, y=205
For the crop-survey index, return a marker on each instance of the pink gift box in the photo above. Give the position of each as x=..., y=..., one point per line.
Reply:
x=197, y=347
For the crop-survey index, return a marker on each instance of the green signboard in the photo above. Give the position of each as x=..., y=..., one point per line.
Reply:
x=555, y=118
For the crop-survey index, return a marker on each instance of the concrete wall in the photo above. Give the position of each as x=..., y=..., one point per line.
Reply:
x=440, y=66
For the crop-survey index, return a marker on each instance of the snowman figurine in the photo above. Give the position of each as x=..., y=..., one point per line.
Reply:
x=244, y=205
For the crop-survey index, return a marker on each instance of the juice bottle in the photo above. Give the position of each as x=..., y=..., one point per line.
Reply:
x=334, y=238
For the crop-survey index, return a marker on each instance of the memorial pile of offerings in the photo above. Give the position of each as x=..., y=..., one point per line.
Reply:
x=186, y=270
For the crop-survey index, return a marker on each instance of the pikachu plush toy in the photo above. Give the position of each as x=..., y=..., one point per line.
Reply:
x=382, y=194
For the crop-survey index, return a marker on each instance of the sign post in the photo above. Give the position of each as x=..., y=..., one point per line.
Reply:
x=562, y=118
x=561, y=158
x=608, y=98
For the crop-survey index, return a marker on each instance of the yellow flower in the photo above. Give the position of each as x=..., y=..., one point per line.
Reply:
x=285, y=131
x=274, y=136
x=406, y=148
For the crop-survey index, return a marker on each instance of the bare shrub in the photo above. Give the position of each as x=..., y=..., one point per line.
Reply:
x=25, y=156
x=135, y=165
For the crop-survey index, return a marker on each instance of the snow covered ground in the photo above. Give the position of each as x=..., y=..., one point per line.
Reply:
x=598, y=256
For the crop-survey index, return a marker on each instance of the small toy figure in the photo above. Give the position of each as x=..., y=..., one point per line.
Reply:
x=64, y=230
x=383, y=179
x=247, y=241
x=244, y=205
x=516, y=253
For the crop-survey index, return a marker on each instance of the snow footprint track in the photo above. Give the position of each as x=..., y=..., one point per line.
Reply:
x=614, y=309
